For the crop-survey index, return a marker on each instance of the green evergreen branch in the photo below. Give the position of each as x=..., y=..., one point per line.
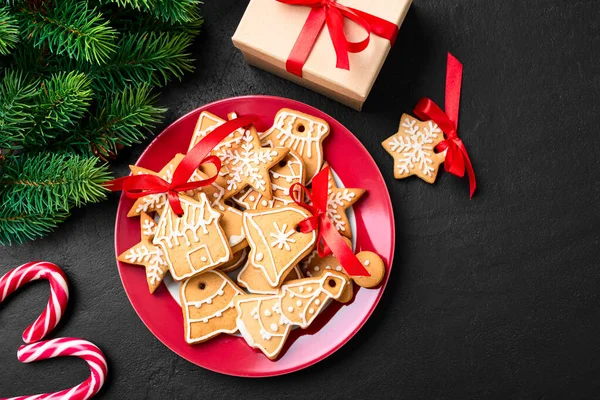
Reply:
x=121, y=121
x=175, y=11
x=62, y=101
x=9, y=32
x=150, y=58
x=42, y=183
x=18, y=228
x=17, y=95
x=69, y=27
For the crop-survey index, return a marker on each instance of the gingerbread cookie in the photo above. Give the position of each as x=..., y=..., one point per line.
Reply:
x=147, y=254
x=195, y=242
x=208, y=122
x=157, y=202
x=247, y=163
x=253, y=279
x=275, y=244
x=288, y=171
x=338, y=201
x=413, y=149
x=265, y=321
x=302, y=133
x=207, y=302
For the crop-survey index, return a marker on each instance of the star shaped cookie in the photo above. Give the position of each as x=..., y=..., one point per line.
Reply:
x=147, y=254
x=156, y=202
x=413, y=149
x=338, y=201
x=247, y=163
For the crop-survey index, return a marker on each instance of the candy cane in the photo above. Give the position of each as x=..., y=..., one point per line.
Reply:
x=63, y=347
x=59, y=295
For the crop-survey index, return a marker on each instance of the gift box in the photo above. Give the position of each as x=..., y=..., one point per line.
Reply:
x=279, y=37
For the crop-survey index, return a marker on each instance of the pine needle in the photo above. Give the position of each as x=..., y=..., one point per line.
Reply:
x=17, y=95
x=9, y=32
x=17, y=228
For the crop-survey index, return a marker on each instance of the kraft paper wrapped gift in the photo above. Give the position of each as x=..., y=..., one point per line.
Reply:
x=269, y=29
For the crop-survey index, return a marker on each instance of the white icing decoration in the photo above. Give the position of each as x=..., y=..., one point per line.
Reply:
x=317, y=301
x=338, y=268
x=301, y=289
x=264, y=203
x=282, y=238
x=268, y=313
x=367, y=263
x=274, y=327
x=311, y=310
x=416, y=148
x=328, y=267
x=290, y=308
x=259, y=256
x=309, y=289
x=299, y=303
x=317, y=268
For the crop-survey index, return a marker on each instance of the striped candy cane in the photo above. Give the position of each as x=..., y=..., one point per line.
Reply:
x=63, y=347
x=59, y=295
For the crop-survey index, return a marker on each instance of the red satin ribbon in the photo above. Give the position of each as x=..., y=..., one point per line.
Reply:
x=331, y=13
x=329, y=239
x=457, y=158
x=136, y=186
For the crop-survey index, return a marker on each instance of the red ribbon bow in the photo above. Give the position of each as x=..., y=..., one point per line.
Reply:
x=329, y=239
x=457, y=158
x=331, y=13
x=136, y=186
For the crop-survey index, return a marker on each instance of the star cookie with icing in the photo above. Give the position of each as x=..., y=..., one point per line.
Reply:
x=338, y=201
x=288, y=171
x=147, y=254
x=247, y=163
x=265, y=321
x=413, y=149
x=207, y=301
x=302, y=133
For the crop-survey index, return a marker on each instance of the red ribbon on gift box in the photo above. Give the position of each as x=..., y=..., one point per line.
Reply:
x=332, y=13
x=457, y=159
x=136, y=186
x=329, y=239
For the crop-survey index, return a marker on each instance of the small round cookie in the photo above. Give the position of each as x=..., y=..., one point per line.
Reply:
x=374, y=264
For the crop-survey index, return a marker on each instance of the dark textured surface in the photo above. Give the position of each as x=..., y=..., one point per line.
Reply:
x=491, y=298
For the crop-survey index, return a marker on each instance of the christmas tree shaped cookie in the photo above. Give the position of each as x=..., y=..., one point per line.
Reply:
x=275, y=244
x=157, y=202
x=413, y=149
x=193, y=243
x=302, y=133
x=147, y=254
x=207, y=301
x=288, y=171
x=265, y=321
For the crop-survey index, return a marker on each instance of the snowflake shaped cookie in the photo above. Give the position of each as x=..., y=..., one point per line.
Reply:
x=248, y=163
x=338, y=201
x=413, y=149
x=147, y=254
x=157, y=202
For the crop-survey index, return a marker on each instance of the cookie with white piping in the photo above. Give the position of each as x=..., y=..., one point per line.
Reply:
x=275, y=244
x=207, y=301
x=288, y=171
x=145, y=253
x=302, y=133
x=195, y=242
x=239, y=259
x=265, y=321
x=413, y=149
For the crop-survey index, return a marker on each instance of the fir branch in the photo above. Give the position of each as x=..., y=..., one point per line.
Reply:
x=174, y=11
x=62, y=101
x=18, y=228
x=150, y=59
x=43, y=183
x=17, y=94
x=70, y=27
x=120, y=121
x=9, y=32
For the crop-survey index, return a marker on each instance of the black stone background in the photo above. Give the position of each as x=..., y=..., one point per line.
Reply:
x=495, y=297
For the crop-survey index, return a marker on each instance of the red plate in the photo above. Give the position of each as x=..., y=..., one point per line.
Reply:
x=337, y=323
